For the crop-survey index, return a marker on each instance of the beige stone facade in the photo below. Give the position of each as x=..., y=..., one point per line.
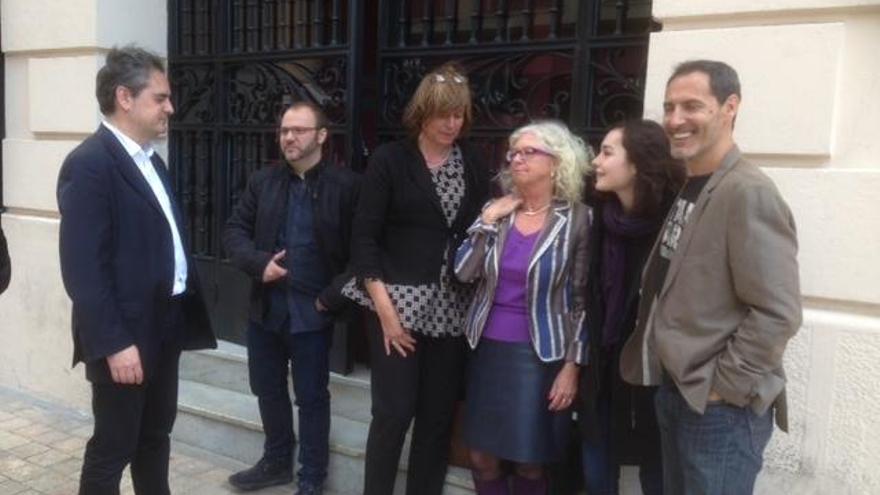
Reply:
x=811, y=115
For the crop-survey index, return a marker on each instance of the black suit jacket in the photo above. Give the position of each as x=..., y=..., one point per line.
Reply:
x=400, y=232
x=117, y=258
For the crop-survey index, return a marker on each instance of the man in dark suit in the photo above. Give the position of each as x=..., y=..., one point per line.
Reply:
x=290, y=232
x=135, y=292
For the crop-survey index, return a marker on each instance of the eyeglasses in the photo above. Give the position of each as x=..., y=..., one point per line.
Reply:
x=526, y=153
x=296, y=131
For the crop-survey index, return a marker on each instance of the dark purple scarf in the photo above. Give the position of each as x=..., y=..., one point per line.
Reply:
x=620, y=230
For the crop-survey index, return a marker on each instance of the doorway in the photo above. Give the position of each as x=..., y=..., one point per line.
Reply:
x=234, y=64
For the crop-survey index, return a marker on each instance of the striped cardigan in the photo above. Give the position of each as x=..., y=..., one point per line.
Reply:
x=556, y=281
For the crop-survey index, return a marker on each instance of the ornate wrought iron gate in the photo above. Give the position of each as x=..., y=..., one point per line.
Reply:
x=582, y=62
x=233, y=66
x=235, y=63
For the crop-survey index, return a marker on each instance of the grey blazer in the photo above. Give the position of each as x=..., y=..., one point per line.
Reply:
x=730, y=300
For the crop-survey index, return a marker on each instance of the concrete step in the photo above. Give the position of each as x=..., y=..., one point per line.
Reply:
x=227, y=422
x=218, y=414
x=226, y=368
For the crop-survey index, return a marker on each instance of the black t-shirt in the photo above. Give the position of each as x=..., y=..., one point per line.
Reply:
x=670, y=235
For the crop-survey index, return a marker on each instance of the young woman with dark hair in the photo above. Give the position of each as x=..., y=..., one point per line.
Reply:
x=633, y=185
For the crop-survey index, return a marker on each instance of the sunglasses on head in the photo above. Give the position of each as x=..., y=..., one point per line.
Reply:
x=440, y=78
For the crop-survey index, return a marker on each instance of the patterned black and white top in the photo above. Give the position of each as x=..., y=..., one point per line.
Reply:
x=435, y=309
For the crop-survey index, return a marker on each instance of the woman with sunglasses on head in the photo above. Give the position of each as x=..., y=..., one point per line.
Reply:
x=528, y=253
x=634, y=183
x=418, y=196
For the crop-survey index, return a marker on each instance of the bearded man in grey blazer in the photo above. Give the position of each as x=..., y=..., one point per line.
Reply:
x=720, y=297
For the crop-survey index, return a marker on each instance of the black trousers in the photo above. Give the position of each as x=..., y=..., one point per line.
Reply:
x=133, y=426
x=423, y=386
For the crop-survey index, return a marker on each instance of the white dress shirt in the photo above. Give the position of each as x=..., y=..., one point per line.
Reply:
x=141, y=157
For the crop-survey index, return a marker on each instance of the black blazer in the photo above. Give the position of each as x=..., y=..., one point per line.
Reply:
x=252, y=230
x=400, y=232
x=117, y=258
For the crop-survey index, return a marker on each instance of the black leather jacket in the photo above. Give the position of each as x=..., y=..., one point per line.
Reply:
x=252, y=230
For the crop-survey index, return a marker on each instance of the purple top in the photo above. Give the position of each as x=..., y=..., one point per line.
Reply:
x=509, y=317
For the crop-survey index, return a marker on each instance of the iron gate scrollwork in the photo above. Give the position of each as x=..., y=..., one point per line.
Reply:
x=235, y=63
x=582, y=62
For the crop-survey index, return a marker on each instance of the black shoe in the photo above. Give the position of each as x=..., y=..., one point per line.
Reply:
x=309, y=489
x=266, y=472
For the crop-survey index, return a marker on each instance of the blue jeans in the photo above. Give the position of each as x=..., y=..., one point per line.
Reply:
x=717, y=453
x=268, y=356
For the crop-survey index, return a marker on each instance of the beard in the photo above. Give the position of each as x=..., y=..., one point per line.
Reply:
x=296, y=152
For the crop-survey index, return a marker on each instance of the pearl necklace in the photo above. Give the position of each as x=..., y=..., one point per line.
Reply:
x=534, y=212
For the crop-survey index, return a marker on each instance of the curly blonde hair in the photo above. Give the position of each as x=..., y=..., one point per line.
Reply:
x=573, y=158
x=442, y=91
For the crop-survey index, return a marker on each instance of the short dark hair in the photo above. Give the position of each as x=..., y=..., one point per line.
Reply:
x=659, y=176
x=723, y=79
x=321, y=121
x=130, y=67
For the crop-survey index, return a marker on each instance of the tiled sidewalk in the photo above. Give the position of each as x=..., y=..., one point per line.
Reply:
x=41, y=448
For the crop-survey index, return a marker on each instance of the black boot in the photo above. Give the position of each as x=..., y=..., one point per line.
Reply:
x=266, y=472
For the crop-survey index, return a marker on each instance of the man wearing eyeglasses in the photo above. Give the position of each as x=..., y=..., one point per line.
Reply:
x=290, y=233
